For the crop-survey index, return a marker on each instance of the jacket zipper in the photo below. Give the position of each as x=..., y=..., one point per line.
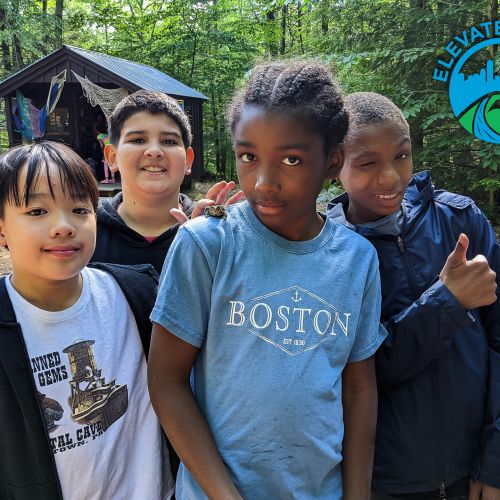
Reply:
x=409, y=273
x=442, y=491
x=411, y=280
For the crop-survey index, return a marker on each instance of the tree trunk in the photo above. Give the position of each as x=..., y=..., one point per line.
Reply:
x=18, y=53
x=283, y=30
x=299, y=26
x=59, y=22
x=5, y=48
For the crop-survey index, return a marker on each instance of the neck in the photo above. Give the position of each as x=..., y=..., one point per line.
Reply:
x=49, y=295
x=148, y=216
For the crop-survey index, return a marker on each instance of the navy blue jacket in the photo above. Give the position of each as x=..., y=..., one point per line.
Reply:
x=438, y=371
x=27, y=465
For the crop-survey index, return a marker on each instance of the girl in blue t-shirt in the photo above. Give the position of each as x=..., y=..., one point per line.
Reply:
x=284, y=401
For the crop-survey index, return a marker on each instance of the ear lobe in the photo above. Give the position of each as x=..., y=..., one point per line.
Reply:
x=189, y=161
x=335, y=163
x=3, y=241
x=110, y=155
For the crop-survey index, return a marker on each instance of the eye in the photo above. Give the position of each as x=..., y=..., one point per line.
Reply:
x=170, y=142
x=82, y=210
x=35, y=212
x=292, y=160
x=402, y=156
x=247, y=157
x=137, y=140
x=368, y=164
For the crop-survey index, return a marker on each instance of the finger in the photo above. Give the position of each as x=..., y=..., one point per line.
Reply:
x=214, y=191
x=480, y=259
x=458, y=256
x=221, y=198
x=179, y=215
x=474, y=490
x=235, y=198
x=200, y=207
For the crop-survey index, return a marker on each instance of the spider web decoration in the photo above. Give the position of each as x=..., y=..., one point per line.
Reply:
x=107, y=99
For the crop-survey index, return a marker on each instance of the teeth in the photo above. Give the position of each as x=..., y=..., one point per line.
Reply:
x=386, y=196
x=154, y=169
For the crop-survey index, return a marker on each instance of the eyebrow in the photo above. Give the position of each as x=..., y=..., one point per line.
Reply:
x=138, y=132
x=33, y=197
x=403, y=141
x=37, y=196
x=304, y=146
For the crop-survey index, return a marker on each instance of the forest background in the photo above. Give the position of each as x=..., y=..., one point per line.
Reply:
x=385, y=46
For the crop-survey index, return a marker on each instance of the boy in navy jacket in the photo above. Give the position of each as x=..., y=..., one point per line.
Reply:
x=439, y=369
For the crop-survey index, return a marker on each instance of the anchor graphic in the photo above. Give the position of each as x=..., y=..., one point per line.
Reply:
x=296, y=297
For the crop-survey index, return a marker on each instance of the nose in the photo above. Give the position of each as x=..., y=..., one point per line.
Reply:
x=266, y=181
x=389, y=177
x=154, y=150
x=62, y=227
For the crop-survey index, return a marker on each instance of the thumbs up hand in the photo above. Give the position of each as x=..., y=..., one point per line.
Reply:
x=472, y=282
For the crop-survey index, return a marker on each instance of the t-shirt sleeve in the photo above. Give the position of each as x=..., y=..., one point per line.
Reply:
x=369, y=333
x=183, y=302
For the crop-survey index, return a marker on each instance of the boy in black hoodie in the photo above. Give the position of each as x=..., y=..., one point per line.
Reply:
x=150, y=145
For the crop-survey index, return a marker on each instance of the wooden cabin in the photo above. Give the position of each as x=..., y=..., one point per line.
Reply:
x=74, y=120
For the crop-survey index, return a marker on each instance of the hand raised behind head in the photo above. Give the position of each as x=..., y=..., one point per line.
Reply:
x=472, y=282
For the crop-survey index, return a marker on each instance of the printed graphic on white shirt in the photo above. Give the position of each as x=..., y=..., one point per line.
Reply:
x=94, y=403
x=294, y=319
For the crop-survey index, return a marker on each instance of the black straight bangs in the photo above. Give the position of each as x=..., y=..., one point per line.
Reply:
x=75, y=175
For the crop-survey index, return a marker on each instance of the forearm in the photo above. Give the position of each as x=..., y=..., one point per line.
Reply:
x=418, y=335
x=360, y=418
x=192, y=439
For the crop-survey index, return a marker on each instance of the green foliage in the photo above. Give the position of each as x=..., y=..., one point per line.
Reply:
x=385, y=46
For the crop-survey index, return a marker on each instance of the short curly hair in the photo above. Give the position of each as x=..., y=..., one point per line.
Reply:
x=366, y=108
x=154, y=103
x=299, y=86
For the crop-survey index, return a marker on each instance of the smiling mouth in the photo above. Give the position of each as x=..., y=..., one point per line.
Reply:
x=387, y=196
x=154, y=170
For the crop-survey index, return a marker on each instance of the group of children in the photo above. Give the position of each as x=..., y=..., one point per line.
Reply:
x=273, y=324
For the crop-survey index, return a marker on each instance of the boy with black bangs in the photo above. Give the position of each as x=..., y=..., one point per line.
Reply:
x=76, y=417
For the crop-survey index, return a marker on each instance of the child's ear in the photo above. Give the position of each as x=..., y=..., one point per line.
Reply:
x=3, y=241
x=189, y=161
x=335, y=162
x=110, y=155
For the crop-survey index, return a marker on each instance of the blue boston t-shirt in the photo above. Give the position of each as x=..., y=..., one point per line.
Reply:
x=276, y=321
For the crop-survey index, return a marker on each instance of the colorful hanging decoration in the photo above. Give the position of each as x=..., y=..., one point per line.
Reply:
x=29, y=120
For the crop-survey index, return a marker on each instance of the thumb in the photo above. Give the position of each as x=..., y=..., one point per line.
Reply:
x=179, y=215
x=458, y=256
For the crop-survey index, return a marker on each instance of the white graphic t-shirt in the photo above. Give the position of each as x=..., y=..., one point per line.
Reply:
x=276, y=322
x=90, y=373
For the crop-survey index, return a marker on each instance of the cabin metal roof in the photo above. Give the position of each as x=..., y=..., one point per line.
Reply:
x=138, y=75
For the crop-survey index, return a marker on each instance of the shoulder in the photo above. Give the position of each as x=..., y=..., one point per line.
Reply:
x=135, y=279
x=210, y=231
x=453, y=200
x=351, y=240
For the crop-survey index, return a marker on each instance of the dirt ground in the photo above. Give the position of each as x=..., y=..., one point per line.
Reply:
x=4, y=262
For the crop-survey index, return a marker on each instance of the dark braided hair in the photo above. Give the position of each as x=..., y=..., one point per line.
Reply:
x=300, y=86
x=366, y=108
